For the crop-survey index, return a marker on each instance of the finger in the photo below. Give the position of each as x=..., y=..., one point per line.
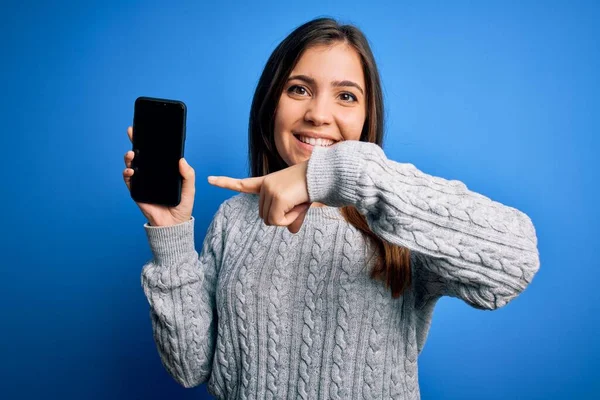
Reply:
x=296, y=215
x=247, y=185
x=276, y=211
x=128, y=157
x=261, y=201
x=130, y=133
x=266, y=208
x=187, y=172
x=127, y=174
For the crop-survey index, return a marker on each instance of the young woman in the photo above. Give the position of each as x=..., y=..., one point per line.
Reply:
x=319, y=279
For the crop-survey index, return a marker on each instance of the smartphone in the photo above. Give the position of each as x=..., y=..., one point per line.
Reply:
x=158, y=144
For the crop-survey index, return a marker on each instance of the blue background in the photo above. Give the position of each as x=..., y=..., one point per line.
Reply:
x=500, y=95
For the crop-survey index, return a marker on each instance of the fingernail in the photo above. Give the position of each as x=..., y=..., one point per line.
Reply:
x=211, y=179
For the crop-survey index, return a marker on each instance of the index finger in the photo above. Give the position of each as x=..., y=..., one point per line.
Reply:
x=247, y=185
x=130, y=133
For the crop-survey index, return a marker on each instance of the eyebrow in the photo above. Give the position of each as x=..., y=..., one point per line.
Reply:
x=344, y=83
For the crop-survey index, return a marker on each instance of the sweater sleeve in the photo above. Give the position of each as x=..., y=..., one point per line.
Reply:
x=179, y=285
x=467, y=245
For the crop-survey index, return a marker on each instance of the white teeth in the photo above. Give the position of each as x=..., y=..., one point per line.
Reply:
x=315, y=142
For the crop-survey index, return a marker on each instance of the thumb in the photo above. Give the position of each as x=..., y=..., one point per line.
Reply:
x=188, y=174
x=301, y=211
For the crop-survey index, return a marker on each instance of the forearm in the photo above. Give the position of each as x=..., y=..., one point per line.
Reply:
x=179, y=287
x=469, y=240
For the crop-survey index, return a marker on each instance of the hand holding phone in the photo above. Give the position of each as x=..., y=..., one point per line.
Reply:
x=158, y=144
x=164, y=187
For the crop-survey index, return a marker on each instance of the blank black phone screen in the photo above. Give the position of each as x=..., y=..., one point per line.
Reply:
x=158, y=143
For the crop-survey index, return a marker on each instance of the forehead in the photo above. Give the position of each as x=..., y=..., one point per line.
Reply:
x=328, y=63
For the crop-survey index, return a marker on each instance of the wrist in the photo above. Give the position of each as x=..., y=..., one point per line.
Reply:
x=333, y=173
x=170, y=244
x=166, y=222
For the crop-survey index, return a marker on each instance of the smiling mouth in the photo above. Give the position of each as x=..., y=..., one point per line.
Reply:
x=314, y=142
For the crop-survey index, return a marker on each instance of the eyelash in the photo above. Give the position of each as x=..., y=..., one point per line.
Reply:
x=291, y=89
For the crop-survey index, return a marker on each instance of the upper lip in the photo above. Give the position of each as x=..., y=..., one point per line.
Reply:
x=314, y=135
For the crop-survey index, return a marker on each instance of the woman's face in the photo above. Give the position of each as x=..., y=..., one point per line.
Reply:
x=323, y=102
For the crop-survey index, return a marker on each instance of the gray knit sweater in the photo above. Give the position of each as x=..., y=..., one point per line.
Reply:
x=264, y=313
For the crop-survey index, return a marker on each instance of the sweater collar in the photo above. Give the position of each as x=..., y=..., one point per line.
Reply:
x=323, y=214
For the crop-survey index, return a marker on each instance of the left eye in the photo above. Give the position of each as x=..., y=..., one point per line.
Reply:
x=349, y=96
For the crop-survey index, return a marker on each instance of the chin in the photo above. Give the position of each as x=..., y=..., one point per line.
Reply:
x=293, y=154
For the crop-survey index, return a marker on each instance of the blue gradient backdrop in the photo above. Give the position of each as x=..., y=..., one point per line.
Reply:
x=500, y=95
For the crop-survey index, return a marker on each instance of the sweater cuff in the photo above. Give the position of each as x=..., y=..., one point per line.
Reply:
x=333, y=173
x=171, y=243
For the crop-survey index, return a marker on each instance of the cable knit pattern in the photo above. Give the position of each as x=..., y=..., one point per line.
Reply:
x=372, y=388
x=273, y=327
x=397, y=390
x=245, y=302
x=223, y=378
x=410, y=358
x=347, y=278
x=313, y=289
x=263, y=313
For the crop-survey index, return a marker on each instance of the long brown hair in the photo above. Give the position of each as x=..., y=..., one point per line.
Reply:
x=393, y=265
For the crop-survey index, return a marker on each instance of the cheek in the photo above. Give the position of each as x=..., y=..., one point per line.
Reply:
x=351, y=125
x=286, y=116
x=284, y=119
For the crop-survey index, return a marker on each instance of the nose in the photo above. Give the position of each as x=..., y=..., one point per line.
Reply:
x=318, y=111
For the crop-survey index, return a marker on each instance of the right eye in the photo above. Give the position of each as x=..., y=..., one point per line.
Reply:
x=296, y=89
